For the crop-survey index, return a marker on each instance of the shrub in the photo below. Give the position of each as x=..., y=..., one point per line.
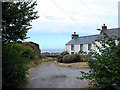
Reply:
x=83, y=55
x=60, y=57
x=64, y=53
x=77, y=58
x=41, y=56
x=72, y=58
x=25, y=51
x=81, y=52
x=14, y=59
x=67, y=59
x=104, y=66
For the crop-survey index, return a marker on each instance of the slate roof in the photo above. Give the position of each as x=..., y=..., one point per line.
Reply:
x=110, y=32
x=91, y=38
x=83, y=40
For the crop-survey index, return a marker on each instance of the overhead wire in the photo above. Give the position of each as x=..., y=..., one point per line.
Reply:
x=92, y=11
x=71, y=17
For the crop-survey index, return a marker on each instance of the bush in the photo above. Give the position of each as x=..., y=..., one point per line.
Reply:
x=72, y=58
x=64, y=53
x=68, y=59
x=83, y=55
x=104, y=66
x=60, y=57
x=77, y=58
x=14, y=59
x=41, y=56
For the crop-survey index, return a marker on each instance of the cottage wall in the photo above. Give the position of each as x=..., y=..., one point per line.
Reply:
x=77, y=48
x=85, y=40
x=68, y=48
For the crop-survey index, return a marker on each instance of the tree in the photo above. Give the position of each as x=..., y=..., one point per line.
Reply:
x=104, y=66
x=16, y=19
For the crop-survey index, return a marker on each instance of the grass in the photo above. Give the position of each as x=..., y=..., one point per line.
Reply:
x=82, y=65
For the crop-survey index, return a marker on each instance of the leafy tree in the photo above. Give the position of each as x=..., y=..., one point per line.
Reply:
x=16, y=19
x=104, y=65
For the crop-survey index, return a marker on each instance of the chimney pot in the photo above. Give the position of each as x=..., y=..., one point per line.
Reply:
x=75, y=35
x=104, y=27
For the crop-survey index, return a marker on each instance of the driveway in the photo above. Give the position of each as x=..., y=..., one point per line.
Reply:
x=48, y=75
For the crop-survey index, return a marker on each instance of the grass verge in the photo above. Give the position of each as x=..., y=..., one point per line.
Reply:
x=82, y=65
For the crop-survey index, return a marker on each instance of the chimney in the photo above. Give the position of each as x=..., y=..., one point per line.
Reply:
x=74, y=35
x=104, y=27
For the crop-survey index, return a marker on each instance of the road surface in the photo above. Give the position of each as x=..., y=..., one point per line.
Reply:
x=48, y=75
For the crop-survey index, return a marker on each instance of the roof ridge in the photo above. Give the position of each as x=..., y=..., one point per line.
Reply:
x=89, y=35
x=113, y=29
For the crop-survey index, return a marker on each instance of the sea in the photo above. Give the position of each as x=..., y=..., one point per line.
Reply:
x=52, y=50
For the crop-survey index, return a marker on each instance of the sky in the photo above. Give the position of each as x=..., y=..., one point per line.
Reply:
x=60, y=18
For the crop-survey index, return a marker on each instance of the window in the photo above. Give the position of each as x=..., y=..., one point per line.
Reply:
x=89, y=46
x=72, y=52
x=72, y=47
x=81, y=46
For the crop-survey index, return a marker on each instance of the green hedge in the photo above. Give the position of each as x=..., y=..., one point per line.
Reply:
x=60, y=57
x=72, y=58
x=14, y=59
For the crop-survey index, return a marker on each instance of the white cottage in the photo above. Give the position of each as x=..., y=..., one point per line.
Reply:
x=85, y=42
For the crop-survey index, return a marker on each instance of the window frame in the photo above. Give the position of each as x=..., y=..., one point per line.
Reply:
x=81, y=46
x=72, y=47
x=89, y=46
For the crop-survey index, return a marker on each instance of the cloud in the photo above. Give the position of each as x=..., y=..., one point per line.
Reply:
x=66, y=16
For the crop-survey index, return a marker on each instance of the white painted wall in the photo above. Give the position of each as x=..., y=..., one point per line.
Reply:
x=85, y=47
x=68, y=48
x=77, y=48
x=95, y=48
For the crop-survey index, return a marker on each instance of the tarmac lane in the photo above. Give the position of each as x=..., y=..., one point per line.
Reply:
x=49, y=75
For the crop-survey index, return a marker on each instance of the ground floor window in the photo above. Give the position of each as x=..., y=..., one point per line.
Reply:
x=81, y=46
x=89, y=46
x=72, y=47
x=72, y=52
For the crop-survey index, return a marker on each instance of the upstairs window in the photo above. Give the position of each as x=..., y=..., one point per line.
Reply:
x=72, y=47
x=89, y=46
x=81, y=46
